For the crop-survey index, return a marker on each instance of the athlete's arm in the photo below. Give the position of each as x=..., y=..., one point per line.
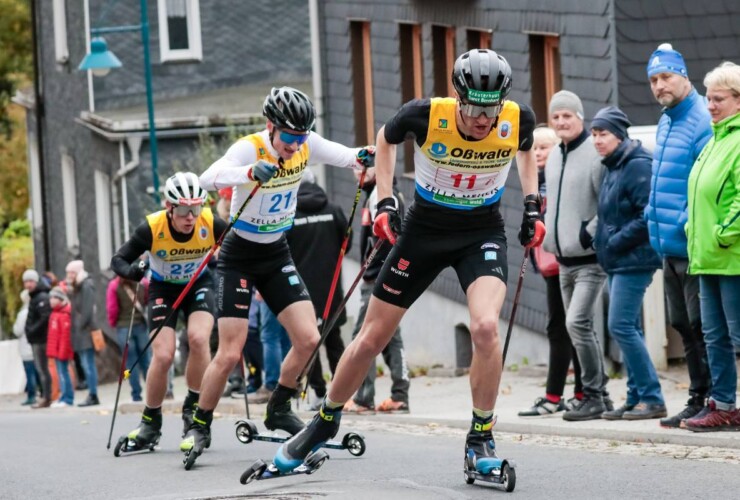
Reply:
x=385, y=163
x=332, y=153
x=139, y=243
x=230, y=169
x=525, y=160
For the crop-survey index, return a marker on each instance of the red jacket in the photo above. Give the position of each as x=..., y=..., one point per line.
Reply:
x=59, y=341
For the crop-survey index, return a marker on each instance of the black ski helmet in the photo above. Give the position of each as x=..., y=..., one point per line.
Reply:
x=289, y=108
x=481, y=70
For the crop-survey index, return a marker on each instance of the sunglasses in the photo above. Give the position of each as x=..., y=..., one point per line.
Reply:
x=475, y=111
x=289, y=138
x=183, y=210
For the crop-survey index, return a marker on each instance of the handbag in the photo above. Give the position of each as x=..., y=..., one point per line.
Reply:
x=98, y=339
x=546, y=262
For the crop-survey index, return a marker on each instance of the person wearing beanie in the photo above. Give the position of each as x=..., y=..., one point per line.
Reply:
x=82, y=295
x=573, y=173
x=24, y=349
x=36, y=328
x=683, y=130
x=624, y=252
x=59, y=345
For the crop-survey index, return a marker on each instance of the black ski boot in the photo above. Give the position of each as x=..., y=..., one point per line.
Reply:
x=198, y=437
x=145, y=436
x=279, y=414
x=323, y=427
x=188, y=410
x=480, y=448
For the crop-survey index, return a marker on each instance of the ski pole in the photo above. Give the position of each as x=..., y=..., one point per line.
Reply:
x=539, y=234
x=330, y=324
x=124, y=357
x=243, y=360
x=192, y=281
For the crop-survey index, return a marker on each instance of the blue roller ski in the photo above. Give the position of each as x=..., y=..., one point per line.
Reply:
x=481, y=463
x=246, y=432
x=260, y=470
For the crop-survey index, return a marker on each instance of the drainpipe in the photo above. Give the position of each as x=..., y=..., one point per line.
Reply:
x=318, y=92
x=134, y=146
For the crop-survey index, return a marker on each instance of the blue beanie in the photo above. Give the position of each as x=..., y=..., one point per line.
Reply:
x=666, y=60
x=612, y=119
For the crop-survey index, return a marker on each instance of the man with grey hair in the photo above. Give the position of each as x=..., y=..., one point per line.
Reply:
x=573, y=176
x=684, y=128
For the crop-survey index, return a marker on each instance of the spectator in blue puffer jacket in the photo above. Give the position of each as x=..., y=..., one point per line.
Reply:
x=683, y=130
x=625, y=254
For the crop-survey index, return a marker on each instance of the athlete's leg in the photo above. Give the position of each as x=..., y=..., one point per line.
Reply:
x=163, y=349
x=299, y=320
x=200, y=324
x=380, y=324
x=232, y=333
x=485, y=298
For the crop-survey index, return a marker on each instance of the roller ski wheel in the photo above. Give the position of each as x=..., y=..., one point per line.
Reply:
x=246, y=431
x=144, y=437
x=260, y=470
x=354, y=443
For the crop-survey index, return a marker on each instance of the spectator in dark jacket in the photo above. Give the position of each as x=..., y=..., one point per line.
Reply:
x=624, y=252
x=315, y=240
x=82, y=293
x=37, y=326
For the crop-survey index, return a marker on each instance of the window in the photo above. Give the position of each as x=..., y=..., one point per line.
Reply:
x=104, y=217
x=443, y=56
x=362, y=82
x=59, y=12
x=411, y=77
x=479, y=39
x=179, y=30
x=544, y=57
x=37, y=215
x=69, y=192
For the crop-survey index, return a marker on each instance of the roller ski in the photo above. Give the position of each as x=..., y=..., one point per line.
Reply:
x=260, y=470
x=197, y=439
x=481, y=461
x=246, y=432
x=144, y=437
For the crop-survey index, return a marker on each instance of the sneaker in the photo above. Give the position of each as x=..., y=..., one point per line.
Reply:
x=713, y=420
x=391, y=406
x=543, y=406
x=573, y=403
x=693, y=407
x=60, y=404
x=92, y=400
x=618, y=413
x=352, y=407
x=589, y=409
x=41, y=403
x=645, y=411
x=608, y=403
x=259, y=397
x=29, y=402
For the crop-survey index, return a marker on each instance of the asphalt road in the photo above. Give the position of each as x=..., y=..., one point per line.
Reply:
x=62, y=455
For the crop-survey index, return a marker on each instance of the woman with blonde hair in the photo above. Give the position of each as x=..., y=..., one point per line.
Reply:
x=713, y=232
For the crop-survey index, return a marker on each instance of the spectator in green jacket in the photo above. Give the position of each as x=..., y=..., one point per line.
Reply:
x=713, y=232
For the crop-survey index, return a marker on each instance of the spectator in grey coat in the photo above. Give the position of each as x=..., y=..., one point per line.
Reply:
x=573, y=176
x=37, y=326
x=82, y=293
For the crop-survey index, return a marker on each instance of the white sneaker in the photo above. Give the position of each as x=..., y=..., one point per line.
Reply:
x=60, y=404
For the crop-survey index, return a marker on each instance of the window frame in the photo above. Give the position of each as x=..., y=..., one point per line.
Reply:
x=195, y=52
x=69, y=194
x=412, y=77
x=362, y=81
x=59, y=14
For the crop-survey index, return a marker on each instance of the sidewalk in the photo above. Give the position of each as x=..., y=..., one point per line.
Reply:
x=446, y=401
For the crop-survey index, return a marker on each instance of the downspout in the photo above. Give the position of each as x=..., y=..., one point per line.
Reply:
x=134, y=146
x=39, y=112
x=318, y=92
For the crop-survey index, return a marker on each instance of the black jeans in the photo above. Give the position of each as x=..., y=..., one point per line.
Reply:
x=682, y=299
x=561, y=348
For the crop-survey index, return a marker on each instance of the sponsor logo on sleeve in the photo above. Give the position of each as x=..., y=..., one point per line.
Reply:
x=293, y=280
x=288, y=269
x=403, y=264
x=391, y=290
x=495, y=246
x=489, y=255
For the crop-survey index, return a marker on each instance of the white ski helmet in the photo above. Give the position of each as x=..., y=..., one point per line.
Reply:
x=183, y=188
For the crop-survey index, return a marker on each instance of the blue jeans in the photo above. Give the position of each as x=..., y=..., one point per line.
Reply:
x=626, y=291
x=720, y=317
x=66, y=390
x=139, y=338
x=87, y=358
x=275, y=345
x=30, y=370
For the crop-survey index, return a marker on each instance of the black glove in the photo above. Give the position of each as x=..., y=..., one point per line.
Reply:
x=138, y=270
x=532, y=213
x=584, y=237
x=387, y=223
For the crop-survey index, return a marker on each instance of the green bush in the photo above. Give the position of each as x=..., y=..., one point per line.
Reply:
x=16, y=255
